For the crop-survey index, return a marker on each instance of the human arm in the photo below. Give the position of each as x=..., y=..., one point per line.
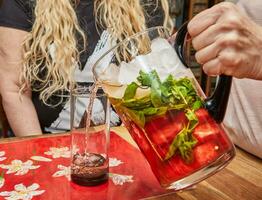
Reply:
x=19, y=109
x=227, y=42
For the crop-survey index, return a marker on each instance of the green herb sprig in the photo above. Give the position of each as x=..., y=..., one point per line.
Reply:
x=171, y=94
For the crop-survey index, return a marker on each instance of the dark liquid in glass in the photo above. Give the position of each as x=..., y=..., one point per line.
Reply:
x=89, y=169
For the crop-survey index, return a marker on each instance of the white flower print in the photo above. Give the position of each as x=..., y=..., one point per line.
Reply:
x=119, y=179
x=18, y=167
x=64, y=171
x=113, y=162
x=63, y=152
x=2, y=181
x=41, y=158
x=2, y=153
x=22, y=192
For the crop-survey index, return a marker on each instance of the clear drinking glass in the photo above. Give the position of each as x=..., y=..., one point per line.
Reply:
x=89, y=136
x=161, y=104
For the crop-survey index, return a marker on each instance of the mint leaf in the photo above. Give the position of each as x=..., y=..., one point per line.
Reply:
x=178, y=106
x=152, y=80
x=191, y=116
x=197, y=104
x=171, y=94
x=186, y=148
x=137, y=116
x=138, y=104
x=183, y=144
x=177, y=141
x=156, y=97
x=130, y=91
x=146, y=79
x=150, y=111
x=154, y=111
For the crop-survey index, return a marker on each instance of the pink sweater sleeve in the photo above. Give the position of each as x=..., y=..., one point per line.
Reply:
x=253, y=9
x=243, y=118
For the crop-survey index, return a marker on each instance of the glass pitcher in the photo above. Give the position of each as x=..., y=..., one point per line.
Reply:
x=164, y=109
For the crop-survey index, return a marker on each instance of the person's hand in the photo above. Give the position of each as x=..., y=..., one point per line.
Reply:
x=227, y=42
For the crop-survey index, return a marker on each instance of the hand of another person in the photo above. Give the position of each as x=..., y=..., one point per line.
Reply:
x=227, y=42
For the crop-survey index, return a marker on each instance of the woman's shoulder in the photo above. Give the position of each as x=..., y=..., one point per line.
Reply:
x=17, y=14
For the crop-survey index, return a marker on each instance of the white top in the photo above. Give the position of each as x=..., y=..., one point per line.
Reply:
x=244, y=113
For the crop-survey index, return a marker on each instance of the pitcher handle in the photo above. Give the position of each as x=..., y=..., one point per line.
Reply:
x=216, y=104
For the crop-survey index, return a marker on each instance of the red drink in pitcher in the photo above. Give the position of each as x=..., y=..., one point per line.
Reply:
x=148, y=80
x=157, y=136
x=175, y=132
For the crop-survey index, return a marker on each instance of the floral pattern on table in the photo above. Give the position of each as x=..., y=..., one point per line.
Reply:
x=40, y=158
x=43, y=166
x=62, y=152
x=63, y=171
x=21, y=192
x=2, y=153
x=119, y=179
x=18, y=167
x=114, y=162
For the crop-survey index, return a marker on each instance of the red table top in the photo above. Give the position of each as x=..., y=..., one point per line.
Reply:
x=38, y=168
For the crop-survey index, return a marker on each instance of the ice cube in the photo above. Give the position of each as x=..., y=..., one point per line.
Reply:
x=128, y=72
x=145, y=62
x=162, y=58
x=159, y=44
x=170, y=64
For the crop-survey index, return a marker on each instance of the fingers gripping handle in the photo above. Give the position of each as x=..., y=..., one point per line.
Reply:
x=216, y=104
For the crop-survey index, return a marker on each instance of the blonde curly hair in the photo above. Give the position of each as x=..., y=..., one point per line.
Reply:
x=56, y=25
